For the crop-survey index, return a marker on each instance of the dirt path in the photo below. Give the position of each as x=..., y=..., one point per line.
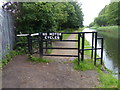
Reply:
x=20, y=73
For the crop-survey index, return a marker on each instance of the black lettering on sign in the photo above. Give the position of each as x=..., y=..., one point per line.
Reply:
x=51, y=35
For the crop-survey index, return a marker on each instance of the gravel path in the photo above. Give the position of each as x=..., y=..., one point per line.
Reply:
x=21, y=73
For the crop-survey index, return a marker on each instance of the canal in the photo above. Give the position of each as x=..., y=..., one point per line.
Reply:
x=110, y=52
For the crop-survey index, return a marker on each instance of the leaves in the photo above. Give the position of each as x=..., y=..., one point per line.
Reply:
x=32, y=17
x=109, y=15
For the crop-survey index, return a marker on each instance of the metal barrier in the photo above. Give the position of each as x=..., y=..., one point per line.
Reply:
x=48, y=38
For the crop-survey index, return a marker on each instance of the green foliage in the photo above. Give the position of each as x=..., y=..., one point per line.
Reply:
x=87, y=44
x=108, y=28
x=113, y=31
x=40, y=60
x=49, y=51
x=75, y=16
x=114, y=13
x=48, y=16
x=101, y=20
x=21, y=44
x=91, y=24
x=79, y=14
x=8, y=57
x=109, y=15
x=106, y=79
x=65, y=36
x=85, y=65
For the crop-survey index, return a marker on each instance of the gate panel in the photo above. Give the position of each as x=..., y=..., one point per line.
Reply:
x=44, y=37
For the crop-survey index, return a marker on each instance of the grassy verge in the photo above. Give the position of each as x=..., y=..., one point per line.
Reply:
x=106, y=79
x=87, y=45
x=65, y=36
x=107, y=28
x=109, y=31
x=39, y=60
x=8, y=57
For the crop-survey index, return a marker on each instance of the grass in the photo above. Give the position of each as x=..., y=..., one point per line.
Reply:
x=8, y=57
x=85, y=65
x=65, y=36
x=106, y=79
x=87, y=45
x=107, y=28
x=49, y=51
x=39, y=60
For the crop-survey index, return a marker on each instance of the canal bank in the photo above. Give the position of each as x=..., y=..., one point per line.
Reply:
x=110, y=52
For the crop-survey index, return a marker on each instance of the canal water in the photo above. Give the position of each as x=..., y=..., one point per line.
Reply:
x=110, y=52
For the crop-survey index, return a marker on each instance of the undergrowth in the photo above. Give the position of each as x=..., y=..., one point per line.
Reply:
x=106, y=79
x=83, y=65
x=9, y=57
x=39, y=60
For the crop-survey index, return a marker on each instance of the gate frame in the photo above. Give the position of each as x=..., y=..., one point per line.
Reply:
x=80, y=50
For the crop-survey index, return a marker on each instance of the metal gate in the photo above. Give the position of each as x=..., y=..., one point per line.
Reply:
x=44, y=39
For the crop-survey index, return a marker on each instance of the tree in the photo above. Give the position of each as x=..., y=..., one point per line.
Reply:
x=114, y=13
x=79, y=14
x=101, y=20
x=109, y=15
x=47, y=16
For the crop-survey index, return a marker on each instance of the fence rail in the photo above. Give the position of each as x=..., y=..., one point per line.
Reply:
x=80, y=48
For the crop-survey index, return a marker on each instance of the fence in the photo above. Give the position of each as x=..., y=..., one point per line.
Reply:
x=7, y=34
x=40, y=38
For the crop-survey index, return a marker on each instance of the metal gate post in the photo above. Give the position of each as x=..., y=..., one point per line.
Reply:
x=46, y=46
x=82, y=54
x=40, y=45
x=78, y=48
x=30, y=44
x=61, y=37
x=95, y=55
x=101, y=50
x=92, y=45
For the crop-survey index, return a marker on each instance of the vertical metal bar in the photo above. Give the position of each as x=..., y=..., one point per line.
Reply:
x=28, y=37
x=30, y=44
x=40, y=45
x=46, y=45
x=82, y=54
x=92, y=45
x=95, y=55
x=78, y=48
x=61, y=37
x=102, y=50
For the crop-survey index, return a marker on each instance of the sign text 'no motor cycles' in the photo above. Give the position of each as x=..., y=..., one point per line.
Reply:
x=51, y=35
